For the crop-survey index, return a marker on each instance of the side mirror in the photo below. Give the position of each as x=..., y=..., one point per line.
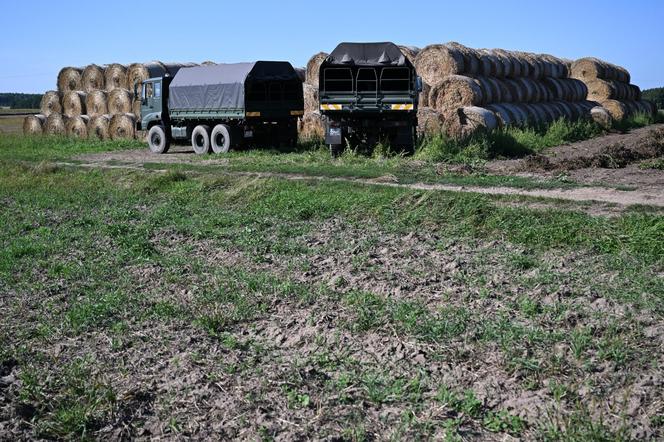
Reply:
x=418, y=83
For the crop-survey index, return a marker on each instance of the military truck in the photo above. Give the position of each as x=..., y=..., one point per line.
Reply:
x=222, y=106
x=368, y=94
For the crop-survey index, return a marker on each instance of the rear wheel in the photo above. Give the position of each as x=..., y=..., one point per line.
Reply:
x=158, y=140
x=221, y=138
x=200, y=139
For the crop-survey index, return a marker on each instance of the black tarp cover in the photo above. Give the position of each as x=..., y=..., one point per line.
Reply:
x=221, y=86
x=367, y=54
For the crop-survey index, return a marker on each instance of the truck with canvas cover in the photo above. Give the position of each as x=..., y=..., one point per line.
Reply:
x=221, y=106
x=368, y=94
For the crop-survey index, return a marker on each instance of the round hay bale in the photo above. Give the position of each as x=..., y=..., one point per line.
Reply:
x=51, y=102
x=487, y=90
x=115, y=77
x=455, y=91
x=566, y=110
x=122, y=127
x=136, y=107
x=34, y=124
x=503, y=115
x=487, y=67
x=478, y=117
x=410, y=52
x=96, y=103
x=505, y=91
x=526, y=68
x=137, y=73
x=98, y=127
x=556, y=91
x=535, y=65
x=424, y=95
x=92, y=78
x=616, y=109
x=599, y=90
x=530, y=91
x=119, y=101
x=601, y=116
x=471, y=58
x=73, y=103
x=515, y=63
x=651, y=106
x=313, y=68
x=312, y=126
x=55, y=124
x=517, y=90
x=76, y=127
x=434, y=62
x=301, y=74
x=69, y=79
x=537, y=116
x=310, y=98
x=589, y=68
x=519, y=114
x=496, y=90
x=506, y=62
x=429, y=122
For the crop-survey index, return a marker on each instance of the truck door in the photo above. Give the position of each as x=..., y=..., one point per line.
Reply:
x=151, y=97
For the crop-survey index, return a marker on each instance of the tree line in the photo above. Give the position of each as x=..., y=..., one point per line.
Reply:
x=20, y=101
x=656, y=95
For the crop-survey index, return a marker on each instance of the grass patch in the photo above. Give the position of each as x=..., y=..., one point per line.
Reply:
x=40, y=148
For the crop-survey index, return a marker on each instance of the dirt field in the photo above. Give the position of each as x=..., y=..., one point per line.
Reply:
x=177, y=297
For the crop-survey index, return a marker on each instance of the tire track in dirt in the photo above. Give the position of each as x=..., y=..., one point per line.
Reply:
x=621, y=198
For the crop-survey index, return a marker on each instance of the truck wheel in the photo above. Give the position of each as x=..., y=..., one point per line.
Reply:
x=221, y=138
x=200, y=139
x=158, y=140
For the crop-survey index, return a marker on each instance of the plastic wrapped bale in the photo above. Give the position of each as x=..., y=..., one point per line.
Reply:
x=69, y=79
x=76, y=127
x=434, y=62
x=55, y=124
x=98, y=127
x=92, y=78
x=51, y=102
x=313, y=68
x=73, y=103
x=455, y=91
x=34, y=124
x=119, y=101
x=122, y=127
x=115, y=77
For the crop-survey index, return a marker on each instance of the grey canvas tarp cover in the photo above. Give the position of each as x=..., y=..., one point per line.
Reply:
x=221, y=86
x=367, y=54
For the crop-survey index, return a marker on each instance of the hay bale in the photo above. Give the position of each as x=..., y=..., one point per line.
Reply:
x=119, y=101
x=471, y=58
x=590, y=68
x=137, y=73
x=76, y=127
x=455, y=91
x=616, y=109
x=496, y=89
x=313, y=68
x=92, y=78
x=601, y=116
x=599, y=90
x=96, y=103
x=136, y=108
x=410, y=52
x=73, y=103
x=122, y=126
x=98, y=127
x=505, y=61
x=69, y=79
x=423, y=99
x=555, y=88
x=51, y=102
x=503, y=115
x=487, y=90
x=434, y=62
x=429, y=122
x=34, y=124
x=55, y=124
x=536, y=68
x=516, y=89
x=115, y=77
x=490, y=64
x=312, y=126
x=310, y=98
x=530, y=90
x=478, y=117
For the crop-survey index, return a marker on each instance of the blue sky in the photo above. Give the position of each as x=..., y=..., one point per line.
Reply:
x=37, y=38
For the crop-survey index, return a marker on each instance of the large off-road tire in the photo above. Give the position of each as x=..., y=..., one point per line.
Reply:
x=221, y=138
x=200, y=139
x=158, y=140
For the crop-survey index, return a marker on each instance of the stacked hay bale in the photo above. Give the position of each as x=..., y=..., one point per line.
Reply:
x=100, y=101
x=610, y=85
x=311, y=123
x=471, y=89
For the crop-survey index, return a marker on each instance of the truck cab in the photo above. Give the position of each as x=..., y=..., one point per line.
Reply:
x=154, y=102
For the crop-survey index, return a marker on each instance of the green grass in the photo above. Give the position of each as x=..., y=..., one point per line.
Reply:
x=19, y=147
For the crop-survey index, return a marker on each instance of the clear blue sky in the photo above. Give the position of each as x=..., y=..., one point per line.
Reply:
x=37, y=38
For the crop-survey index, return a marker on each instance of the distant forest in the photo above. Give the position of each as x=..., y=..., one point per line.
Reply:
x=20, y=101
x=656, y=95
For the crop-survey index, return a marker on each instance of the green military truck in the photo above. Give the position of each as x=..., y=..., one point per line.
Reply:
x=368, y=94
x=218, y=107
